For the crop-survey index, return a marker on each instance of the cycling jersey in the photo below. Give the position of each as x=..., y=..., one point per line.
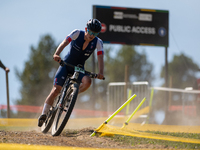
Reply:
x=77, y=55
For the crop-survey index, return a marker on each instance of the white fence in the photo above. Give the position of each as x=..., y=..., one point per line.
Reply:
x=116, y=95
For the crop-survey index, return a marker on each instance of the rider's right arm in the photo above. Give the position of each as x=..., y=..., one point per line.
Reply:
x=60, y=48
x=72, y=36
x=62, y=45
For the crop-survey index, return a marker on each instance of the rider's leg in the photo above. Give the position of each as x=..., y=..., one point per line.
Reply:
x=48, y=103
x=59, y=80
x=86, y=82
x=50, y=98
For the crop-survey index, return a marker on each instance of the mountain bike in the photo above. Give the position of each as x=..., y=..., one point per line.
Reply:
x=61, y=110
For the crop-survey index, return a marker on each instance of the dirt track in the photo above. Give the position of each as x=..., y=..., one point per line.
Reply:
x=72, y=138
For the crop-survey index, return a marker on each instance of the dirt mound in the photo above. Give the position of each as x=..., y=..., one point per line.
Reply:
x=70, y=138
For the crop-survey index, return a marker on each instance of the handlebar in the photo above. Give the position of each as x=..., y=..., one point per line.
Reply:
x=91, y=75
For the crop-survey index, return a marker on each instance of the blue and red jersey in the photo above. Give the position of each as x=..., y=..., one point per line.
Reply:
x=76, y=54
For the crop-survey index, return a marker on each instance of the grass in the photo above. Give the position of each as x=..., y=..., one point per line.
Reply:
x=183, y=135
x=167, y=144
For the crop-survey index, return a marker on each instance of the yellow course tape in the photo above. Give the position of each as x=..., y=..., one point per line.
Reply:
x=18, y=122
x=124, y=131
x=34, y=147
x=41, y=147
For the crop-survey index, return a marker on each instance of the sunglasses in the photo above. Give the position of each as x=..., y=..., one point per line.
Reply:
x=92, y=33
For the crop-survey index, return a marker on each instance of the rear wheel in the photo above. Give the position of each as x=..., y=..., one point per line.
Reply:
x=63, y=113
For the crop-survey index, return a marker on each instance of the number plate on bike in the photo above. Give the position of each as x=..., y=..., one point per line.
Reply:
x=77, y=69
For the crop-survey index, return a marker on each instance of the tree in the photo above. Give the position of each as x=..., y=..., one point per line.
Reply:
x=37, y=76
x=182, y=69
x=139, y=67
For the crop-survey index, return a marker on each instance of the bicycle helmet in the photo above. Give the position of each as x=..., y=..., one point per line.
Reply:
x=94, y=25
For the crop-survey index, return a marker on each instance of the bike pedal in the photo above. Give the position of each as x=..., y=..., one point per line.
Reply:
x=65, y=110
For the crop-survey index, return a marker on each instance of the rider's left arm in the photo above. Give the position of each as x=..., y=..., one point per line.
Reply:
x=101, y=66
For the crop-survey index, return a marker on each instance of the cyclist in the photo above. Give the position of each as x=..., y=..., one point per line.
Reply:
x=83, y=43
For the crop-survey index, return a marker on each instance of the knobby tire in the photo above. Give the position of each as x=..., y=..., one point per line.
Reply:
x=70, y=99
x=50, y=117
x=48, y=123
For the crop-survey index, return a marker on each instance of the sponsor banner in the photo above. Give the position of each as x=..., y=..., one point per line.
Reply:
x=133, y=26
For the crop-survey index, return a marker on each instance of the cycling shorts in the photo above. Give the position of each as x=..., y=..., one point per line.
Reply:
x=62, y=73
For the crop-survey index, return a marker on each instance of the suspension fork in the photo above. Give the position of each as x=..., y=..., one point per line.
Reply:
x=63, y=94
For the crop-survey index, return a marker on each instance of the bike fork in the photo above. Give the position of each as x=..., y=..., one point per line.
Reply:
x=62, y=98
x=60, y=104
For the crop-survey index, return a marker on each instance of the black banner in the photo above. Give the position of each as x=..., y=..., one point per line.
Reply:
x=133, y=26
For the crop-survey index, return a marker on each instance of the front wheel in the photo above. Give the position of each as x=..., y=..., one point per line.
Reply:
x=50, y=116
x=64, y=111
x=48, y=122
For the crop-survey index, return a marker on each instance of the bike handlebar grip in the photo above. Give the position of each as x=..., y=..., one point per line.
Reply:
x=95, y=76
x=62, y=63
